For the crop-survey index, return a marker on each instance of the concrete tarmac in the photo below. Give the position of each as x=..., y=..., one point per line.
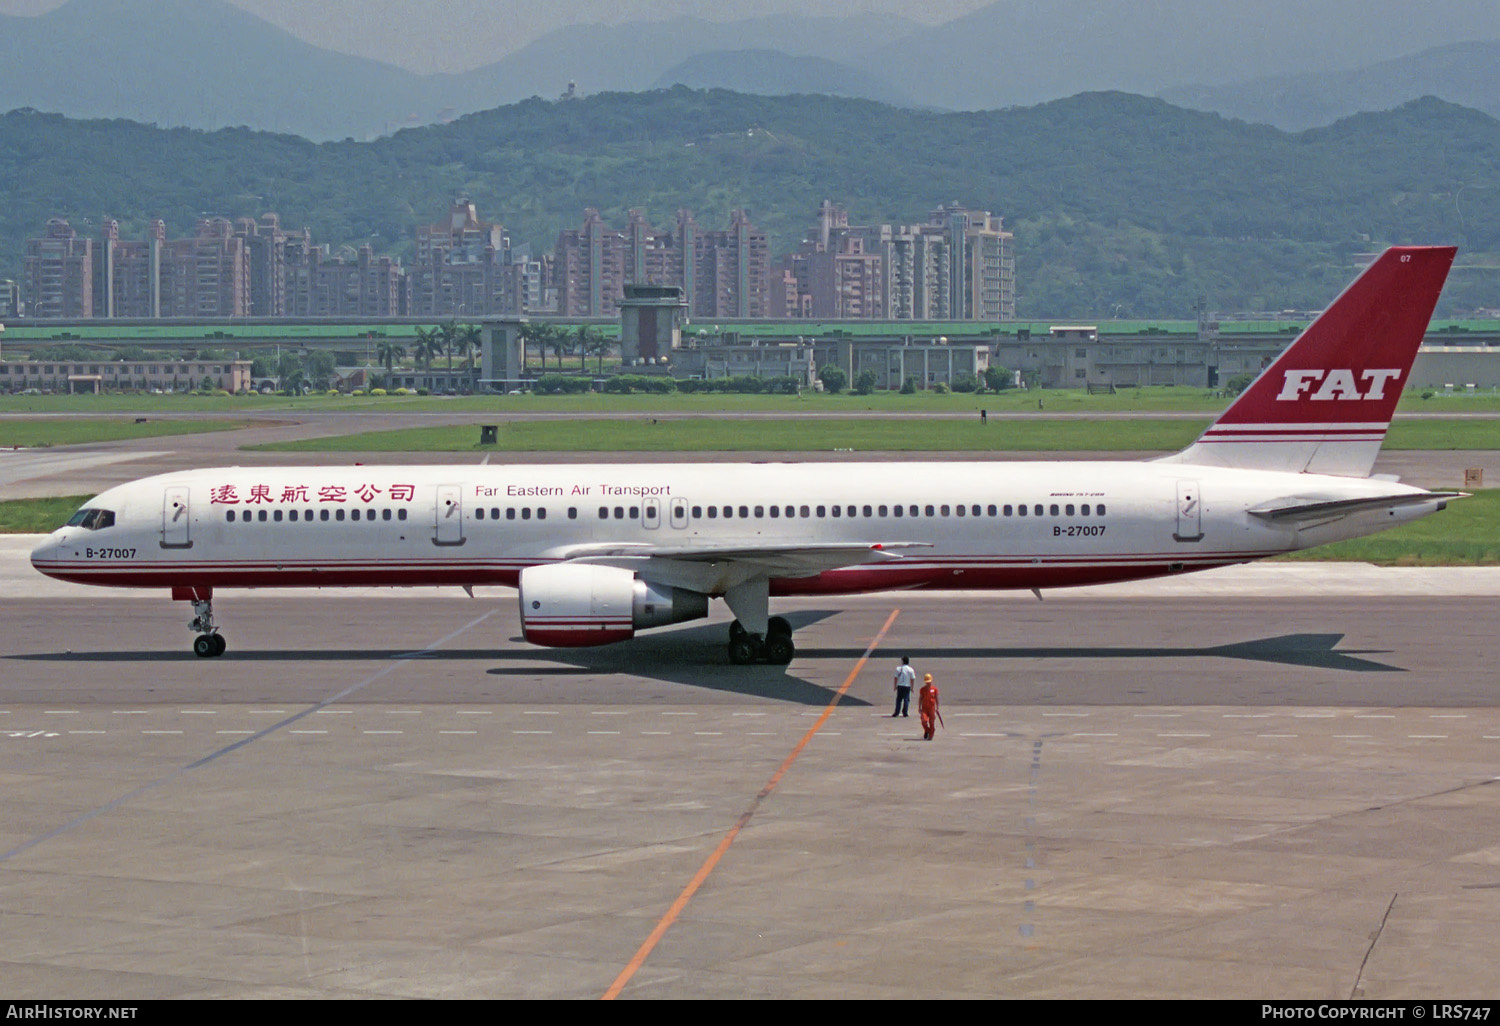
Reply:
x=1275, y=783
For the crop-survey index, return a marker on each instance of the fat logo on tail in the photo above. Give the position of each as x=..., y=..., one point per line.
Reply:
x=1324, y=405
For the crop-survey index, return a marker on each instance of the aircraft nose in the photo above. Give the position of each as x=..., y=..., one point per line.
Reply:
x=45, y=554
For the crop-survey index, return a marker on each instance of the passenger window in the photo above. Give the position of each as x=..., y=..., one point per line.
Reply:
x=959, y=510
x=276, y=516
x=775, y=512
x=479, y=513
x=401, y=514
x=870, y=513
x=292, y=515
x=1100, y=509
x=526, y=513
x=323, y=514
x=338, y=515
x=1037, y=509
x=650, y=512
x=993, y=511
x=975, y=510
x=942, y=510
x=822, y=512
x=697, y=512
x=898, y=511
x=541, y=513
x=354, y=514
x=713, y=512
x=929, y=511
x=263, y=516
x=307, y=515
x=1084, y=509
x=603, y=512
x=619, y=512
x=803, y=512
x=385, y=514
x=853, y=512
x=1021, y=510
x=1068, y=509
x=572, y=512
x=760, y=511
x=1054, y=509
x=635, y=512
x=744, y=512
x=728, y=512
x=229, y=515
x=1007, y=510
x=510, y=513
x=837, y=510
x=913, y=510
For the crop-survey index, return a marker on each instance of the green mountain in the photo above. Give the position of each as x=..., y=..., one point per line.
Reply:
x=1119, y=203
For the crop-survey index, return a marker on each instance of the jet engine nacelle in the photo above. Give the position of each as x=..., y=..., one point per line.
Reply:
x=572, y=605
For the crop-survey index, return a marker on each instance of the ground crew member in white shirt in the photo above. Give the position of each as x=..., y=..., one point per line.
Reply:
x=906, y=679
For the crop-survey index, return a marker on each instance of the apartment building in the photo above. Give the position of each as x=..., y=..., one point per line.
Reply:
x=58, y=275
x=721, y=273
x=957, y=265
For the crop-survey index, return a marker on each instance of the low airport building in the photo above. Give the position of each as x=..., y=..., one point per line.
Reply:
x=124, y=376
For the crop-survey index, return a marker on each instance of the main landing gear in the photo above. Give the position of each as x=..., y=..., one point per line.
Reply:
x=775, y=648
x=209, y=644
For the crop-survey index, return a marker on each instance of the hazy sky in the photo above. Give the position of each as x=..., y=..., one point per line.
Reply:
x=452, y=35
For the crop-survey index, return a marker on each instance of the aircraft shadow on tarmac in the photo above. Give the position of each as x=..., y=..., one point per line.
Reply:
x=693, y=657
x=1311, y=650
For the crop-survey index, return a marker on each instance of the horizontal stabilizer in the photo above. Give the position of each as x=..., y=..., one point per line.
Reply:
x=1294, y=509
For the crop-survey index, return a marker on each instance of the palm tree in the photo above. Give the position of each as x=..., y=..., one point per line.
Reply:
x=530, y=333
x=583, y=338
x=429, y=344
x=600, y=346
x=557, y=341
x=388, y=352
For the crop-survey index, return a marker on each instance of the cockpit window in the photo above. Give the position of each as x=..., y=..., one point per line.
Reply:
x=93, y=519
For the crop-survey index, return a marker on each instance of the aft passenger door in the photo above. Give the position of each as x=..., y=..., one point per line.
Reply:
x=449, y=514
x=176, y=519
x=1189, y=512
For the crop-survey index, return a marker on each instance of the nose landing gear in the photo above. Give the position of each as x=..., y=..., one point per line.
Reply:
x=209, y=643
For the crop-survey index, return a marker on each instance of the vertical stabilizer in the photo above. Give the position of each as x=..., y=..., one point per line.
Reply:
x=1324, y=405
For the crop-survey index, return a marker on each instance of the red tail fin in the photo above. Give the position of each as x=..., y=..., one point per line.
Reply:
x=1323, y=406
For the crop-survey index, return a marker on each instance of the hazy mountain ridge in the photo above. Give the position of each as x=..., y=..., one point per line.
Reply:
x=1463, y=73
x=205, y=63
x=773, y=73
x=1113, y=198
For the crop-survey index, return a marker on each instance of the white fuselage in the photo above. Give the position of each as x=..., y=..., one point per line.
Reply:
x=1083, y=522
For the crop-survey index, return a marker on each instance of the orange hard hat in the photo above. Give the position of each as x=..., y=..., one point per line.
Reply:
x=927, y=678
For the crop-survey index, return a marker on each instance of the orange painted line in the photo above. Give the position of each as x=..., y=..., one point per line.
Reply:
x=677, y=907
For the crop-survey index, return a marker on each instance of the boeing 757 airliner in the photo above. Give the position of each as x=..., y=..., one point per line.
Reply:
x=599, y=552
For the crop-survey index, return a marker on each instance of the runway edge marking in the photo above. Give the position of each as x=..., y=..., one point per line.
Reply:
x=677, y=907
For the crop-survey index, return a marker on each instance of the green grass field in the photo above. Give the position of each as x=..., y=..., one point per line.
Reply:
x=826, y=434
x=27, y=433
x=1146, y=400
x=1467, y=533
x=38, y=516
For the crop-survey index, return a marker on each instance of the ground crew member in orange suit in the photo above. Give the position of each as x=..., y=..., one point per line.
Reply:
x=927, y=706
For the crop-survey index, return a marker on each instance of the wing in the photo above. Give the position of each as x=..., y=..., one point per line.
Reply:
x=1295, y=509
x=770, y=560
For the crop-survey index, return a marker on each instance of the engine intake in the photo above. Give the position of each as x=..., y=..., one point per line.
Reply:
x=574, y=605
